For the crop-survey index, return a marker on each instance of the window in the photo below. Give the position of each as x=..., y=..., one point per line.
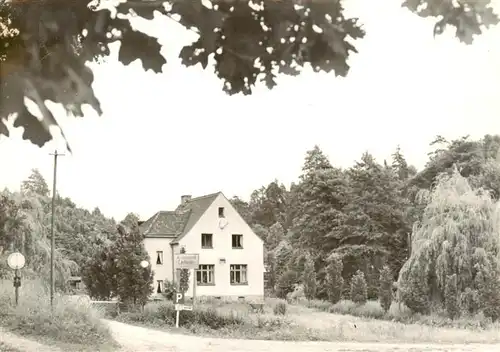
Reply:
x=238, y=274
x=159, y=286
x=237, y=241
x=206, y=240
x=221, y=212
x=159, y=257
x=205, y=274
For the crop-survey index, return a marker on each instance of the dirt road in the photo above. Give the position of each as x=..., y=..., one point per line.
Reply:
x=138, y=339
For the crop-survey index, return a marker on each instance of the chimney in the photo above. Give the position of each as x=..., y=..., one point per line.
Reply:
x=185, y=198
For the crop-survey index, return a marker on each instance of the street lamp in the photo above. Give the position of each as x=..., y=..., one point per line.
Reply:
x=16, y=262
x=144, y=264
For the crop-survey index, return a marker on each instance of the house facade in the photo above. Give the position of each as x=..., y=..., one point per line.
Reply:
x=231, y=255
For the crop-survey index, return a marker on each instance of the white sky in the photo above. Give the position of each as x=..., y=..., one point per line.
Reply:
x=177, y=133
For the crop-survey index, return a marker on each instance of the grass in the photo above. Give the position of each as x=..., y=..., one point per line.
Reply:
x=401, y=314
x=316, y=321
x=74, y=326
x=6, y=348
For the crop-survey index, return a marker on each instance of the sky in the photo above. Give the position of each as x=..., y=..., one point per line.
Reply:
x=174, y=133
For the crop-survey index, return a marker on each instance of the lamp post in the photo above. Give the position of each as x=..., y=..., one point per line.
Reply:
x=16, y=262
x=144, y=264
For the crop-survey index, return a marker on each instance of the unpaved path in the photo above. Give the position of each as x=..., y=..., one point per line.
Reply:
x=139, y=339
x=24, y=344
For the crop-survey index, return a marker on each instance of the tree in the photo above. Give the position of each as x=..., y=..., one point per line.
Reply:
x=451, y=297
x=458, y=234
x=271, y=272
x=385, y=288
x=309, y=279
x=184, y=276
x=334, y=279
x=134, y=283
x=35, y=184
x=100, y=275
x=48, y=61
x=22, y=229
x=275, y=235
x=320, y=199
x=242, y=208
x=374, y=228
x=400, y=165
x=268, y=205
x=359, y=293
x=286, y=283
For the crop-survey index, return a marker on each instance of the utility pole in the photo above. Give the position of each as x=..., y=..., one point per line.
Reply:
x=52, y=238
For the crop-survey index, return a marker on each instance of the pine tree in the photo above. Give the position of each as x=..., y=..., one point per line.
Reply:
x=309, y=279
x=334, y=279
x=319, y=198
x=271, y=272
x=385, y=288
x=374, y=228
x=359, y=291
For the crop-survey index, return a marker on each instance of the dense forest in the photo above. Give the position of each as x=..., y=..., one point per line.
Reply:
x=25, y=219
x=429, y=229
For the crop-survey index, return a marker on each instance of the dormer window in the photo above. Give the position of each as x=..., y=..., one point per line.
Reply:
x=221, y=212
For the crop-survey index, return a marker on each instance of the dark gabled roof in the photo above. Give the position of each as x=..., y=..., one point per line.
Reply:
x=176, y=224
x=165, y=224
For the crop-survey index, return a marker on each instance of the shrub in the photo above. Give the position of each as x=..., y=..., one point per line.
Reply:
x=286, y=283
x=469, y=301
x=371, y=309
x=490, y=296
x=334, y=279
x=385, y=288
x=359, y=290
x=280, y=308
x=164, y=313
x=451, y=297
x=169, y=290
x=320, y=305
x=413, y=287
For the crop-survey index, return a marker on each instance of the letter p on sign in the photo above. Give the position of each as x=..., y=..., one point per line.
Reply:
x=179, y=298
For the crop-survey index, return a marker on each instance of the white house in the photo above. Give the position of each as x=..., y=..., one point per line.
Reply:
x=231, y=255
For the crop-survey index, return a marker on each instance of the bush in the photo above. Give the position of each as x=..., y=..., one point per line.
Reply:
x=164, y=313
x=469, y=301
x=385, y=288
x=334, y=279
x=72, y=322
x=370, y=309
x=286, y=283
x=280, y=308
x=451, y=297
x=359, y=289
x=169, y=290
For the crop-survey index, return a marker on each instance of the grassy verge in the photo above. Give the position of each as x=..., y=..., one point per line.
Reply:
x=74, y=326
x=401, y=314
x=305, y=321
